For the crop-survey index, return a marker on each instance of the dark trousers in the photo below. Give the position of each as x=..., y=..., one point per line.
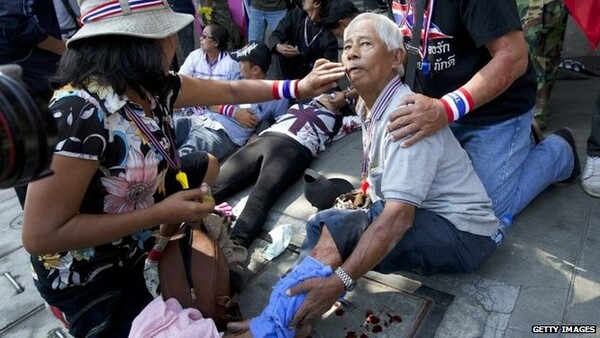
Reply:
x=593, y=143
x=104, y=307
x=432, y=245
x=273, y=162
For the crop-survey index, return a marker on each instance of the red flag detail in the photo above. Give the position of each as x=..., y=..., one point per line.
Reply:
x=585, y=13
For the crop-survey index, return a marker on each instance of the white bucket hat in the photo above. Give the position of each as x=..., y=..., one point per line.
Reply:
x=151, y=19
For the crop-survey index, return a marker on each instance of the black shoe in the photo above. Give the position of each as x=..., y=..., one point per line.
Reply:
x=568, y=136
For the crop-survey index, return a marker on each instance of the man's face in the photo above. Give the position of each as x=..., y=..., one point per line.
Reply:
x=312, y=8
x=368, y=63
x=246, y=69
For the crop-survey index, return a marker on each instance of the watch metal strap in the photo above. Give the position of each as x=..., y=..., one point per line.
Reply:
x=346, y=280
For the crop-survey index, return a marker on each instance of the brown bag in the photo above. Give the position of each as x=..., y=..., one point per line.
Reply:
x=193, y=270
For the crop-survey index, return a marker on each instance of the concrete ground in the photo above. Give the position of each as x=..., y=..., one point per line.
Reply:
x=546, y=273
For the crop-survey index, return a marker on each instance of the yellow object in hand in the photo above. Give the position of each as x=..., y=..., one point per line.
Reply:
x=181, y=177
x=206, y=194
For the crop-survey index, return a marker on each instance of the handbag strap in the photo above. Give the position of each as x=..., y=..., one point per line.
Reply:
x=414, y=47
x=187, y=259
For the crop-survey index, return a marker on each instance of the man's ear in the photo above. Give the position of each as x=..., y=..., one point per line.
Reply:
x=256, y=70
x=399, y=57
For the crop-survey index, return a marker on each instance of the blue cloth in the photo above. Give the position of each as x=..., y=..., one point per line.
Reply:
x=275, y=318
x=511, y=167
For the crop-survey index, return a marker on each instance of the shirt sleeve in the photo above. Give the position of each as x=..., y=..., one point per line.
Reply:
x=82, y=131
x=409, y=172
x=489, y=20
x=187, y=68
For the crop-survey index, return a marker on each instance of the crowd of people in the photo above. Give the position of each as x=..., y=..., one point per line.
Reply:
x=143, y=139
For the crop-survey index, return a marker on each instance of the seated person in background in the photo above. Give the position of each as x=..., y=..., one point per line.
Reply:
x=225, y=128
x=211, y=60
x=276, y=159
x=431, y=213
x=299, y=39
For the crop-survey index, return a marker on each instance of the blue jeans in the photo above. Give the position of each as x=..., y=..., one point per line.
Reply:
x=259, y=19
x=511, y=167
x=190, y=139
x=432, y=245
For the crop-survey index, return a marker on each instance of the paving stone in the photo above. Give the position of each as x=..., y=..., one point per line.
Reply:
x=538, y=305
x=372, y=309
x=17, y=304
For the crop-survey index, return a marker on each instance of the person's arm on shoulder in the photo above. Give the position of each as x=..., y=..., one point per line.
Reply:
x=200, y=92
x=425, y=115
x=377, y=242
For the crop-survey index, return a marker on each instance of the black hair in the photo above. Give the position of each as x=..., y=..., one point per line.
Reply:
x=117, y=61
x=338, y=10
x=220, y=36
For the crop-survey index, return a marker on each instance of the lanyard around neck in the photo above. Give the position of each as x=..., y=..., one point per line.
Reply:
x=174, y=160
x=306, y=33
x=381, y=104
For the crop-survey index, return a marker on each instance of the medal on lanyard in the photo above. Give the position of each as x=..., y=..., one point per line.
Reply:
x=425, y=67
x=181, y=177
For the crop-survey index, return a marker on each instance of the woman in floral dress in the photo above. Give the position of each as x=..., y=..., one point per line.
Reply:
x=89, y=225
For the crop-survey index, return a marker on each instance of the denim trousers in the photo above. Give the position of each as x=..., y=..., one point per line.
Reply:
x=259, y=19
x=191, y=138
x=512, y=168
x=432, y=245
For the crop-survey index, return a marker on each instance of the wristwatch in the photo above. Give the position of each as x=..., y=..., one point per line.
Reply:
x=348, y=282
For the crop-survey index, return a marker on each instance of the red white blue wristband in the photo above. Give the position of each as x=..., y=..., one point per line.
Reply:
x=457, y=104
x=227, y=110
x=287, y=89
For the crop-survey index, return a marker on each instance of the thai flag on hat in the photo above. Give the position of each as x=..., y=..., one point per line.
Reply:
x=113, y=8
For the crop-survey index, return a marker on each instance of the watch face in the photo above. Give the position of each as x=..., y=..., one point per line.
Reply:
x=351, y=286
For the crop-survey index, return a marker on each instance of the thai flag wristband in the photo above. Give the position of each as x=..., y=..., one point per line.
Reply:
x=287, y=89
x=227, y=110
x=457, y=104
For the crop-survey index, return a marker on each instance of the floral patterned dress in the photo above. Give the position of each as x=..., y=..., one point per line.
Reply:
x=93, y=125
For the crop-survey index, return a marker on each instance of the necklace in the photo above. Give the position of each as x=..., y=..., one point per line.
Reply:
x=306, y=34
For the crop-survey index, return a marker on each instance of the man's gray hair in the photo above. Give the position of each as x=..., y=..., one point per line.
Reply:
x=387, y=29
